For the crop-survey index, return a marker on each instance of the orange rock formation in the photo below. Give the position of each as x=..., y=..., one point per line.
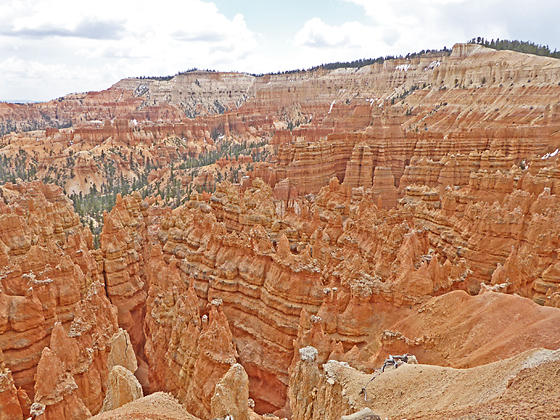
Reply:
x=410, y=206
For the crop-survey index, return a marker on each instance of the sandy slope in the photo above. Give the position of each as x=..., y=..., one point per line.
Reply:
x=524, y=386
x=160, y=405
x=461, y=331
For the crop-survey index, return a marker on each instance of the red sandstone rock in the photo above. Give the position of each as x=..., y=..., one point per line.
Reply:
x=462, y=331
x=231, y=395
x=55, y=391
x=51, y=297
x=122, y=388
x=122, y=239
x=10, y=404
x=47, y=271
x=374, y=200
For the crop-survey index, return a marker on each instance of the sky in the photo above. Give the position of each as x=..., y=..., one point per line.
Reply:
x=49, y=48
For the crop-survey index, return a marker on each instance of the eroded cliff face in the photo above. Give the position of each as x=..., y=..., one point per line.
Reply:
x=422, y=120
x=405, y=207
x=346, y=273
x=390, y=125
x=334, y=272
x=77, y=108
x=56, y=318
x=122, y=259
x=498, y=390
x=194, y=93
x=62, y=352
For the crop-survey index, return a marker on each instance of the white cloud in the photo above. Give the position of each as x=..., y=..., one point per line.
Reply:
x=53, y=44
x=316, y=33
x=392, y=27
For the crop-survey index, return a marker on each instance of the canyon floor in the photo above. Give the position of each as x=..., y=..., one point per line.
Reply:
x=224, y=244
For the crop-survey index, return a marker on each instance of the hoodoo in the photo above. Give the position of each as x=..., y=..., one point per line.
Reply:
x=236, y=246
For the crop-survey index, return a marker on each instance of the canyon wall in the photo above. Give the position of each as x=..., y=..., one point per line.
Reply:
x=338, y=273
x=410, y=206
x=420, y=119
x=56, y=318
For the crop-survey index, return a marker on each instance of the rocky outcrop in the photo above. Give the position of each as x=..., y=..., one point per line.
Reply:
x=461, y=331
x=58, y=321
x=122, y=240
x=251, y=279
x=188, y=347
x=234, y=265
x=415, y=390
x=122, y=385
x=427, y=128
x=231, y=395
x=235, y=249
x=121, y=353
x=401, y=207
x=419, y=118
x=499, y=224
x=14, y=403
x=332, y=271
x=79, y=359
x=56, y=391
x=74, y=109
x=359, y=170
x=122, y=388
x=195, y=92
x=158, y=405
x=48, y=275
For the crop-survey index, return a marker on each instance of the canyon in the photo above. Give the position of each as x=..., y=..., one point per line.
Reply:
x=225, y=244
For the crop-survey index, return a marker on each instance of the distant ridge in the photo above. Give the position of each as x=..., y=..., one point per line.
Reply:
x=326, y=66
x=526, y=47
x=19, y=101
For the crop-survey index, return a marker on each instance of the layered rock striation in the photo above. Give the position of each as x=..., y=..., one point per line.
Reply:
x=330, y=271
x=410, y=206
x=57, y=320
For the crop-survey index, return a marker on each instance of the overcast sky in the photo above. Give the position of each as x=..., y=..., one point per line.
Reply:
x=49, y=48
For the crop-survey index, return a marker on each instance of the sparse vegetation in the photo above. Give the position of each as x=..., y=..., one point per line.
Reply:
x=527, y=47
x=327, y=66
x=126, y=171
x=164, y=78
x=362, y=62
